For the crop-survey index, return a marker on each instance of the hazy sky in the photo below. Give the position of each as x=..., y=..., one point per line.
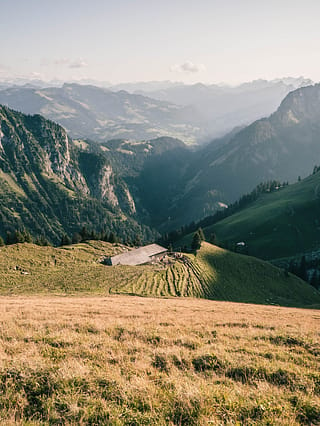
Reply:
x=182, y=40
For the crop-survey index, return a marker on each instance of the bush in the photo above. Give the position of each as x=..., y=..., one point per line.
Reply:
x=206, y=362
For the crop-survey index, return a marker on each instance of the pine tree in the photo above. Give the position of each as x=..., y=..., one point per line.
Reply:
x=65, y=240
x=41, y=241
x=137, y=240
x=93, y=235
x=113, y=238
x=27, y=236
x=105, y=237
x=213, y=238
x=201, y=234
x=303, y=273
x=85, y=234
x=18, y=237
x=196, y=241
x=315, y=280
x=9, y=238
x=76, y=238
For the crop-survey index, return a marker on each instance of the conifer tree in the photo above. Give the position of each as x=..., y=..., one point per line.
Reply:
x=76, y=238
x=85, y=234
x=196, y=241
x=303, y=273
x=27, y=236
x=41, y=241
x=201, y=234
x=213, y=238
x=113, y=238
x=18, y=237
x=315, y=280
x=65, y=240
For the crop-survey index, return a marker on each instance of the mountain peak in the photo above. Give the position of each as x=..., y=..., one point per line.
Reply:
x=300, y=104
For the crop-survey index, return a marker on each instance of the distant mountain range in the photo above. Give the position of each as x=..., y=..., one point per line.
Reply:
x=193, y=113
x=221, y=107
x=100, y=114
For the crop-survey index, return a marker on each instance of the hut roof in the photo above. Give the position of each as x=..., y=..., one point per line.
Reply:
x=138, y=256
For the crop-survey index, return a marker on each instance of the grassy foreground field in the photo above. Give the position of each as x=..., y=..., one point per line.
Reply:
x=213, y=273
x=127, y=360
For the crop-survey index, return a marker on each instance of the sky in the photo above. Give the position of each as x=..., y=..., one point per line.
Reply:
x=210, y=41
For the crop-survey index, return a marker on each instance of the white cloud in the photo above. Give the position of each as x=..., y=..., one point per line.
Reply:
x=70, y=63
x=188, y=67
x=78, y=63
x=36, y=75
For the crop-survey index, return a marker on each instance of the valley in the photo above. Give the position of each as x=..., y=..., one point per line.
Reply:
x=125, y=178
x=137, y=190
x=159, y=213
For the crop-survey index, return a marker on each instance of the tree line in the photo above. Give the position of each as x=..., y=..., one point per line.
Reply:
x=264, y=187
x=84, y=234
x=307, y=270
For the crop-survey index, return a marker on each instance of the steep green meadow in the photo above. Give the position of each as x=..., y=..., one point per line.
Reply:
x=213, y=273
x=279, y=224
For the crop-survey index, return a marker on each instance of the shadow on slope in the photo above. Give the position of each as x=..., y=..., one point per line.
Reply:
x=238, y=278
x=213, y=273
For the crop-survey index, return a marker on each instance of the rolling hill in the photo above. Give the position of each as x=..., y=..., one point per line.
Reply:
x=213, y=273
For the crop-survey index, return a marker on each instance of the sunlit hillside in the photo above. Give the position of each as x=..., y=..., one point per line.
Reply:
x=213, y=273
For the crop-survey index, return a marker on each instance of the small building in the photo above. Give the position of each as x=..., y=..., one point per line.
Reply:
x=138, y=256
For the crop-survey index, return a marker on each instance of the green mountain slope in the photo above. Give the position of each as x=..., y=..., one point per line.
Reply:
x=281, y=224
x=282, y=147
x=51, y=187
x=213, y=274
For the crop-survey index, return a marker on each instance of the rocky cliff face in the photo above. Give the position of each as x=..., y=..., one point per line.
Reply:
x=31, y=143
x=301, y=105
x=43, y=171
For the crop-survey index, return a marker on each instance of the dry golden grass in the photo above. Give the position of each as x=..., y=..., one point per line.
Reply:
x=129, y=360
